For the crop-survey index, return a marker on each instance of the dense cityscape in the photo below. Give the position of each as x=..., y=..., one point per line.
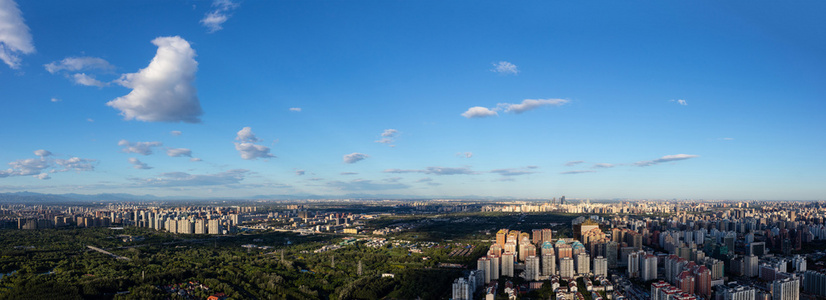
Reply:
x=552, y=249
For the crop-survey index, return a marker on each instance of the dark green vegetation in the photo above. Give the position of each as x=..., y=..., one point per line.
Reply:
x=56, y=264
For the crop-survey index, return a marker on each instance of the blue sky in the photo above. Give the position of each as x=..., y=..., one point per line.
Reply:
x=702, y=100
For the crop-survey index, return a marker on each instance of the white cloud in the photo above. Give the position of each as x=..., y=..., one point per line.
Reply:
x=55, y=100
x=726, y=139
x=143, y=148
x=530, y=104
x=354, y=157
x=175, y=132
x=246, y=135
x=165, y=90
x=577, y=172
x=90, y=120
x=214, y=19
x=42, y=153
x=87, y=80
x=178, y=152
x=185, y=179
x=300, y=172
x=253, y=151
x=137, y=164
x=465, y=154
x=247, y=147
x=603, y=165
x=75, y=164
x=348, y=173
x=43, y=176
x=573, y=163
x=15, y=38
x=680, y=101
x=195, y=159
x=74, y=64
x=389, y=133
x=664, y=159
x=514, y=171
x=30, y=166
x=388, y=136
x=295, y=109
x=479, y=112
x=436, y=171
x=504, y=67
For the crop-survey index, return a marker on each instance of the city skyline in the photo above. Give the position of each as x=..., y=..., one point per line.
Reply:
x=428, y=99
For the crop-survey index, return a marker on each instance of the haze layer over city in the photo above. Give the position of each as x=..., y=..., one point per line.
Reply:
x=230, y=149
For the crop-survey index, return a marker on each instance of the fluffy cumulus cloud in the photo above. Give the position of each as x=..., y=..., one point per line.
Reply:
x=246, y=146
x=365, y=185
x=354, y=157
x=42, y=153
x=295, y=109
x=215, y=18
x=576, y=172
x=178, y=152
x=40, y=167
x=388, y=136
x=137, y=164
x=143, y=148
x=517, y=108
x=15, y=38
x=165, y=90
x=436, y=171
x=504, y=67
x=74, y=64
x=177, y=179
x=479, y=112
x=665, y=159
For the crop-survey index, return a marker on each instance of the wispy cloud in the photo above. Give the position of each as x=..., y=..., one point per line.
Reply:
x=504, y=67
x=246, y=145
x=573, y=163
x=576, y=172
x=436, y=171
x=515, y=171
x=178, y=152
x=87, y=80
x=726, y=139
x=680, y=101
x=300, y=172
x=388, y=136
x=465, y=154
x=215, y=19
x=665, y=159
x=74, y=64
x=55, y=99
x=175, y=133
x=137, y=164
x=354, y=157
x=295, y=109
x=15, y=38
x=143, y=148
x=348, y=173
x=603, y=165
x=165, y=90
x=173, y=179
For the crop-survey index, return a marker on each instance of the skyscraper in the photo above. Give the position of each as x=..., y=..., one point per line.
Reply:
x=649, y=267
x=532, y=268
x=548, y=264
x=507, y=264
x=566, y=268
x=786, y=289
x=583, y=263
x=600, y=266
x=483, y=265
